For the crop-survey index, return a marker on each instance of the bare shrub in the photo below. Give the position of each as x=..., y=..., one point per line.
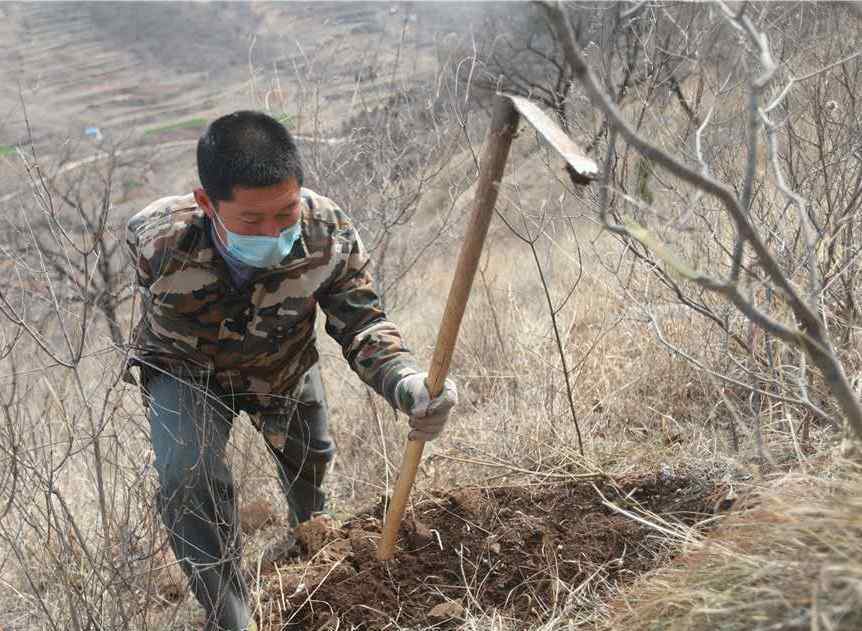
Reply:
x=568, y=321
x=761, y=244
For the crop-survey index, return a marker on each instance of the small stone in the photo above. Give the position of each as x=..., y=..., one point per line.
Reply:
x=447, y=610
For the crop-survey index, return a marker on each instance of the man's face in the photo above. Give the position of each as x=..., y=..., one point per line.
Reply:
x=264, y=211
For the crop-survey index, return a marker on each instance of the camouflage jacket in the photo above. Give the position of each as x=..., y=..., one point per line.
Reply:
x=257, y=342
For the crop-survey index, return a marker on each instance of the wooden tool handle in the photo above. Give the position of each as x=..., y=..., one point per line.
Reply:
x=503, y=127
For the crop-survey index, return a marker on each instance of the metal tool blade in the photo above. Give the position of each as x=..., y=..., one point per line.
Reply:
x=585, y=169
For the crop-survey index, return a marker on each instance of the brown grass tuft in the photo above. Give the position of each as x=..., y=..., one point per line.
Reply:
x=790, y=560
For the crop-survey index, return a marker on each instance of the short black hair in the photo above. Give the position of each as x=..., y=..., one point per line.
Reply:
x=247, y=149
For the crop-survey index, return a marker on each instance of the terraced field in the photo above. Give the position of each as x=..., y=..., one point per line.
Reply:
x=131, y=67
x=71, y=77
x=149, y=74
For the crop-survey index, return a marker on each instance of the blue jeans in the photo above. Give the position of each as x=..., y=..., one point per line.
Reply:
x=189, y=429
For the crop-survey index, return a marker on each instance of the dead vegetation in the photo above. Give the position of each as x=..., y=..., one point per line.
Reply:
x=786, y=559
x=711, y=464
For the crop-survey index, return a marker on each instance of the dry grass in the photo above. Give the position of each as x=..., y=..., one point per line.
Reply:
x=513, y=419
x=788, y=559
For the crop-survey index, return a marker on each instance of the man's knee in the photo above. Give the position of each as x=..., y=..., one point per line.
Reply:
x=305, y=429
x=187, y=436
x=178, y=457
x=314, y=453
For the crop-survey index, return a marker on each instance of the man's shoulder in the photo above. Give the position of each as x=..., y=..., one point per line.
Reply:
x=176, y=209
x=165, y=219
x=327, y=224
x=322, y=210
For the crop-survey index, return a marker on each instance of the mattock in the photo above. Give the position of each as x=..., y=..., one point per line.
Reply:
x=504, y=124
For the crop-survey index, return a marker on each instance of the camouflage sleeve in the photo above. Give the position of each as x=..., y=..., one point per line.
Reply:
x=136, y=236
x=372, y=345
x=142, y=235
x=143, y=273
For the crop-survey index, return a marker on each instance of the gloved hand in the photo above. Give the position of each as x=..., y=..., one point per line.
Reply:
x=427, y=415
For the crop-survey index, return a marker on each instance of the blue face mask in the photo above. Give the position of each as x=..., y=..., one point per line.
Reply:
x=260, y=251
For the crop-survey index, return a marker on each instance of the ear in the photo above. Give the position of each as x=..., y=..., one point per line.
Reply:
x=204, y=202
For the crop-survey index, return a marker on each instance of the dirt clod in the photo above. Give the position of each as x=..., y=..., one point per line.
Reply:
x=363, y=544
x=257, y=515
x=469, y=503
x=312, y=535
x=418, y=534
x=510, y=547
x=171, y=582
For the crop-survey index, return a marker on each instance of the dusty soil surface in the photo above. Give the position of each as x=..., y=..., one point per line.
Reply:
x=517, y=549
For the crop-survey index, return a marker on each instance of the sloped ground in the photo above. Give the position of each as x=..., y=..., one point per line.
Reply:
x=138, y=66
x=524, y=551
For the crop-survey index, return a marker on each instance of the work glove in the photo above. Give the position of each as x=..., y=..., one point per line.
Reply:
x=427, y=415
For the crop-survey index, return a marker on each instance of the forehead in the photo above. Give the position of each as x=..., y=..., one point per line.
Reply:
x=273, y=197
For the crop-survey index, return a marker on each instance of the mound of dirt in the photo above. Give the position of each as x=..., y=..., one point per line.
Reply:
x=517, y=549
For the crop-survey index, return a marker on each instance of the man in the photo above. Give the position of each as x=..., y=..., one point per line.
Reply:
x=231, y=278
